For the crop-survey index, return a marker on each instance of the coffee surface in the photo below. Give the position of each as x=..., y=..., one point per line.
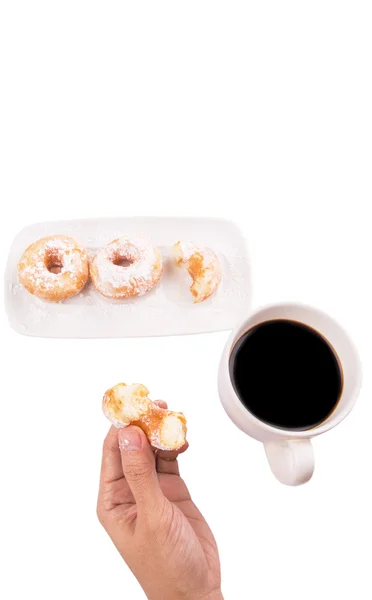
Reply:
x=286, y=374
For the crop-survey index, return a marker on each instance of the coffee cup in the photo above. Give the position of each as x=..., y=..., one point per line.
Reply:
x=288, y=373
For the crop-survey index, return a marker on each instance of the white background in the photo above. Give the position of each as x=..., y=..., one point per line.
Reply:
x=256, y=111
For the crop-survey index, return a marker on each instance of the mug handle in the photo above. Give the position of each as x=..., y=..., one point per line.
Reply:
x=291, y=461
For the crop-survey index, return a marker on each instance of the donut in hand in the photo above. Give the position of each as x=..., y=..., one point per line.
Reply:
x=130, y=405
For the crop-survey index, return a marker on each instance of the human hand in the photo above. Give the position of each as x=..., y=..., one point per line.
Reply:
x=146, y=509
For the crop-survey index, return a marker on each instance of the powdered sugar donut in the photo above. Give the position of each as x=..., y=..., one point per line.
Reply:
x=141, y=270
x=54, y=268
x=130, y=404
x=203, y=267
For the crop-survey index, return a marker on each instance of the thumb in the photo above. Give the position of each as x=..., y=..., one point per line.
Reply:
x=139, y=468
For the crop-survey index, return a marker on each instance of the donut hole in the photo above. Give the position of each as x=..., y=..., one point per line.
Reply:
x=54, y=263
x=55, y=269
x=122, y=261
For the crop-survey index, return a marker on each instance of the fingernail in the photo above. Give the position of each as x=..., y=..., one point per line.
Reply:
x=129, y=439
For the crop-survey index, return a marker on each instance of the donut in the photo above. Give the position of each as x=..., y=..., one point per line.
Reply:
x=141, y=272
x=203, y=267
x=54, y=268
x=130, y=405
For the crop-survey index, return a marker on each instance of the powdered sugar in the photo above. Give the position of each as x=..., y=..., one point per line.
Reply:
x=184, y=250
x=135, y=279
x=34, y=262
x=53, y=268
x=203, y=267
x=167, y=309
x=124, y=404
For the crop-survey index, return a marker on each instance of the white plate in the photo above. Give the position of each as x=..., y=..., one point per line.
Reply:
x=167, y=309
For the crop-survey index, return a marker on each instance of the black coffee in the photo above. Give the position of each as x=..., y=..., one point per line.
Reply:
x=286, y=374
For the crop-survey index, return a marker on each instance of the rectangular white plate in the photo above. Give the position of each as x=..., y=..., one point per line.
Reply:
x=167, y=309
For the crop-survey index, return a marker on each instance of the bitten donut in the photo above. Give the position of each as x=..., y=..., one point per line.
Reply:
x=137, y=277
x=203, y=267
x=129, y=404
x=54, y=268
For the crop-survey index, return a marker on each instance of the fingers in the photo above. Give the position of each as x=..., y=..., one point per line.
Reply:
x=113, y=489
x=161, y=403
x=111, y=469
x=167, y=466
x=138, y=464
x=166, y=460
x=172, y=454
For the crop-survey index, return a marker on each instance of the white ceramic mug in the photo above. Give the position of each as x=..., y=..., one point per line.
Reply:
x=290, y=453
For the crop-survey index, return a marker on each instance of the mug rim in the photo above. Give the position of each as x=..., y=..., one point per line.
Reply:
x=271, y=431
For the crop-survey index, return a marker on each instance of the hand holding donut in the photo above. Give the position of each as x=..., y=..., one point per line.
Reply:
x=146, y=509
